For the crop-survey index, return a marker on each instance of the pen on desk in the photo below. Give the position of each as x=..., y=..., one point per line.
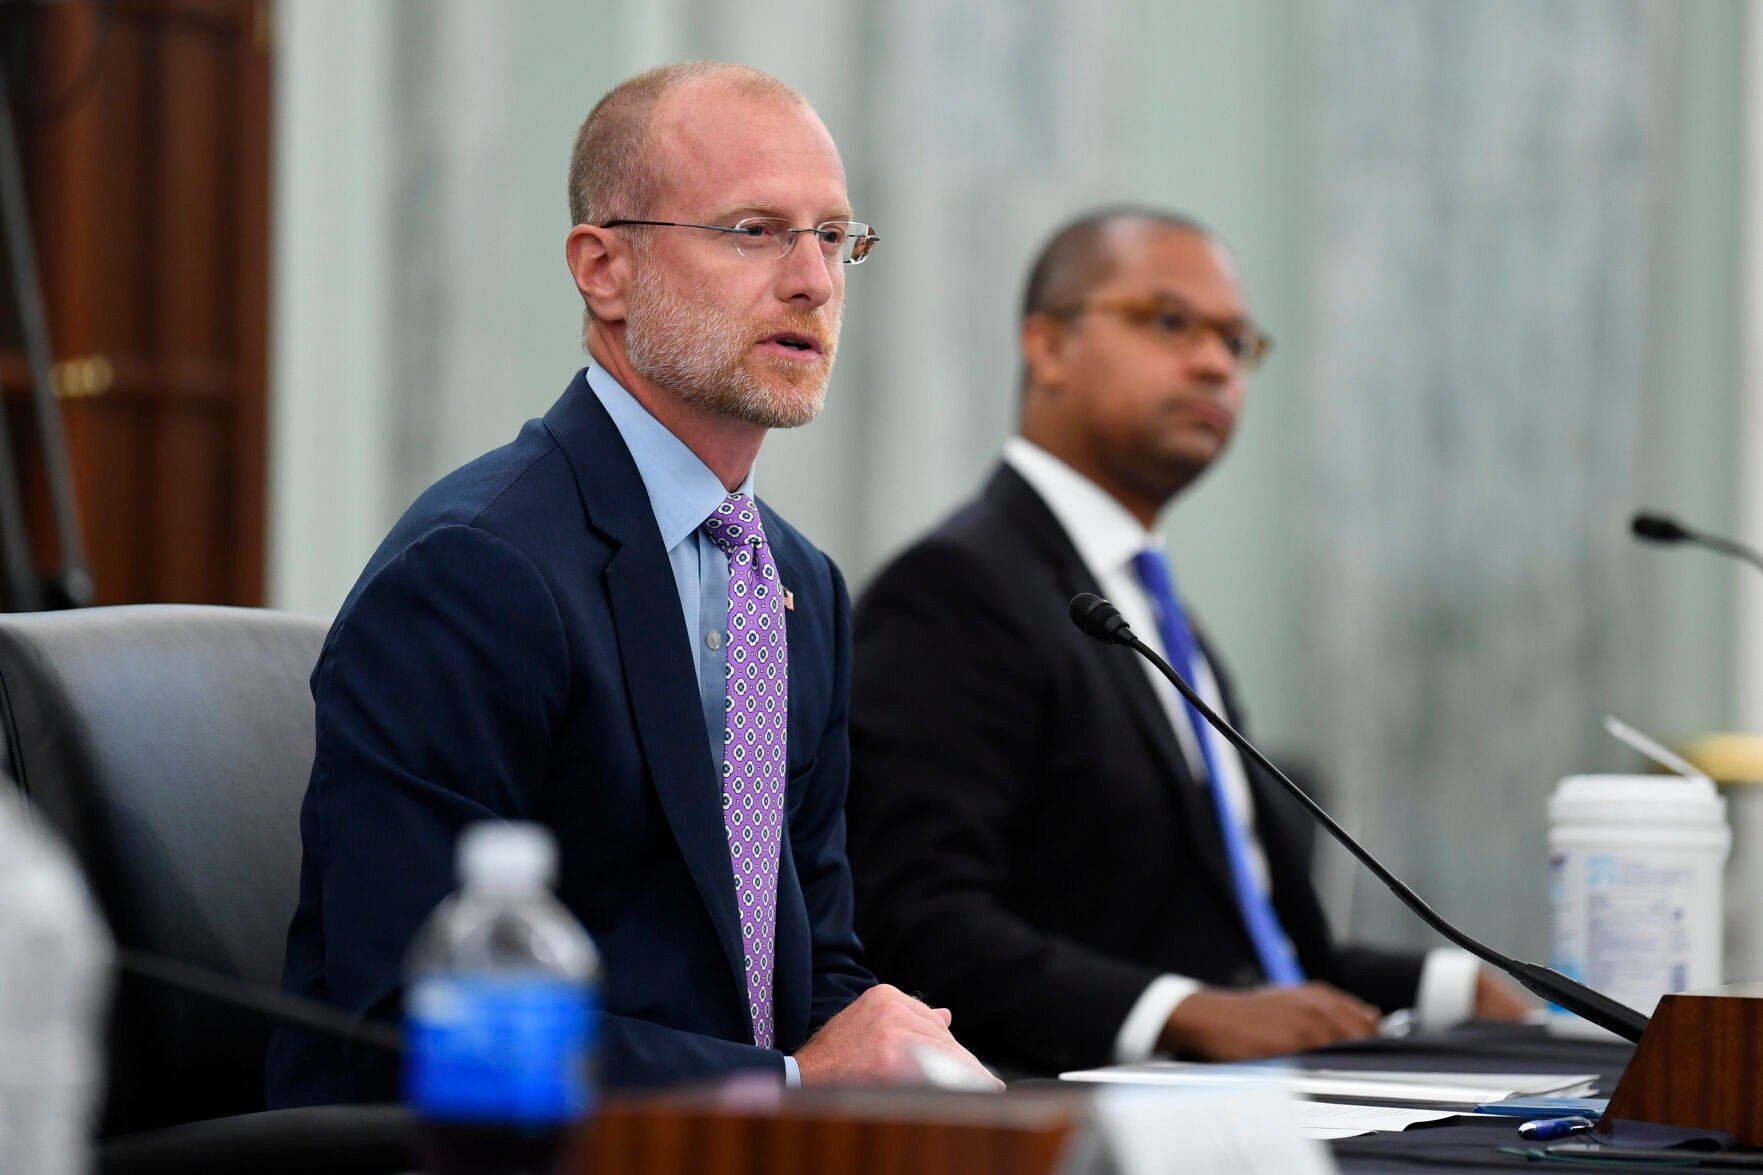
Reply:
x=1544, y=1129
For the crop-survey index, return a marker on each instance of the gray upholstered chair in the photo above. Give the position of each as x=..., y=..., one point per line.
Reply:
x=170, y=747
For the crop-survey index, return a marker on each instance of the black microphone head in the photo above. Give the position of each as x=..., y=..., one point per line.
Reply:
x=1100, y=619
x=1658, y=528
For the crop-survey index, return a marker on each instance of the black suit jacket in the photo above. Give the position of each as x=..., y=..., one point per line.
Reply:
x=1030, y=847
x=515, y=650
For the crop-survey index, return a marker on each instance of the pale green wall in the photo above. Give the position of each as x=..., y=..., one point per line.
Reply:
x=1200, y=115
x=347, y=281
x=1216, y=113
x=1692, y=425
x=1207, y=111
x=331, y=269
x=423, y=310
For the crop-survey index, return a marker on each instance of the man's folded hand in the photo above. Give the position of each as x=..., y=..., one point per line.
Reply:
x=873, y=1042
x=1217, y=1024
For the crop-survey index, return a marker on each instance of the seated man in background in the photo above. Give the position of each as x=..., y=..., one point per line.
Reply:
x=1045, y=837
x=598, y=627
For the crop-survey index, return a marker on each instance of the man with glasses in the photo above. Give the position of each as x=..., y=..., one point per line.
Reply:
x=599, y=627
x=1045, y=837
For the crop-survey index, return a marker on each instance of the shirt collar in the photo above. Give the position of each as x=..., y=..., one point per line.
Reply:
x=1104, y=532
x=683, y=491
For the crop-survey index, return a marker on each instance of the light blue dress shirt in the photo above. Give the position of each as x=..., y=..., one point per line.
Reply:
x=683, y=492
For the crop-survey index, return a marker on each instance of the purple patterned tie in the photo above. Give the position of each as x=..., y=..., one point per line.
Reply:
x=754, y=739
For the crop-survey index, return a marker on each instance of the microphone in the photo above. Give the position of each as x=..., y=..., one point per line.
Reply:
x=267, y=1002
x=1101, y=620
x=1662, y=528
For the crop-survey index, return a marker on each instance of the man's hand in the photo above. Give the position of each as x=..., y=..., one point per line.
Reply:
x=872, y=1042
x=1496, y=999
x=1218, y=1024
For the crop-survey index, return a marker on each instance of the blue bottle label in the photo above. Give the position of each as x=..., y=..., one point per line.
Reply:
x=499, y=1049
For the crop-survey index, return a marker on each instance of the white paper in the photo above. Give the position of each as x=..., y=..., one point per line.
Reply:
x=1245, y=1129
x=1453, y=1089
x=1326, y=1120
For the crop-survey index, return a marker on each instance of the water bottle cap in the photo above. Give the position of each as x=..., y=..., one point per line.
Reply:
x=504, y=855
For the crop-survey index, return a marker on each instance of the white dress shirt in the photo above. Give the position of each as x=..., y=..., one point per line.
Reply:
x=1107, y=537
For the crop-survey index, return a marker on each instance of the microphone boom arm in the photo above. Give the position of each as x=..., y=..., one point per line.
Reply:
x=1663, y=529
x=1728, y=547
x=1102, y=621
x=1551, y=985
x=250, y=997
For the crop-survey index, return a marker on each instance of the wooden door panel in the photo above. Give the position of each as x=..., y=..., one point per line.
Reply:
x=191, y=227
x=111, y=440
x=150, y=198
x=190, y=449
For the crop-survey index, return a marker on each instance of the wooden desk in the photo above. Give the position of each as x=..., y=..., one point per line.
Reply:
x=763, y=1130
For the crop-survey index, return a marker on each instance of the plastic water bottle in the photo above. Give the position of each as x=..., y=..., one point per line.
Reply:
x=501, y=1013
x=54, y=980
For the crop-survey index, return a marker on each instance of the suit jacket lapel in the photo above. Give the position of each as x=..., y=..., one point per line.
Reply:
x=659, y=676
x=789, y=578
x=653, y=653
x=1024, y=507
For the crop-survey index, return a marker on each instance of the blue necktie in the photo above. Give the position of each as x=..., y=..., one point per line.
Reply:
x=1271, y=944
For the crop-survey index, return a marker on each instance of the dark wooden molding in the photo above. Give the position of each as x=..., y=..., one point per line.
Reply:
x=768, y=1131
x=1700, y=1065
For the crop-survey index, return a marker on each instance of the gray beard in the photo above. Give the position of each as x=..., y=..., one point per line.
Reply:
x=697, y=352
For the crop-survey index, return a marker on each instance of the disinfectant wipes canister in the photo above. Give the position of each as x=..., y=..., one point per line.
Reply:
x=1635, y=868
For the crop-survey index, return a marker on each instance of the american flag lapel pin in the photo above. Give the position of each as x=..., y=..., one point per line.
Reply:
x=789, y=600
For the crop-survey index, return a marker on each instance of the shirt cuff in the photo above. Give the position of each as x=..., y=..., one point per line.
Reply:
x=1143, y=1026
x=792, y=1073
x=1447, y=988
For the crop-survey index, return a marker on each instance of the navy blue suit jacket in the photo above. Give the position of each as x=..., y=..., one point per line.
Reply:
x=515, y=649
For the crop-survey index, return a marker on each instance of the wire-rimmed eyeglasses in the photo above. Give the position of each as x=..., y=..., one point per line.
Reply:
x=847, y=241
x=1180, y=325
